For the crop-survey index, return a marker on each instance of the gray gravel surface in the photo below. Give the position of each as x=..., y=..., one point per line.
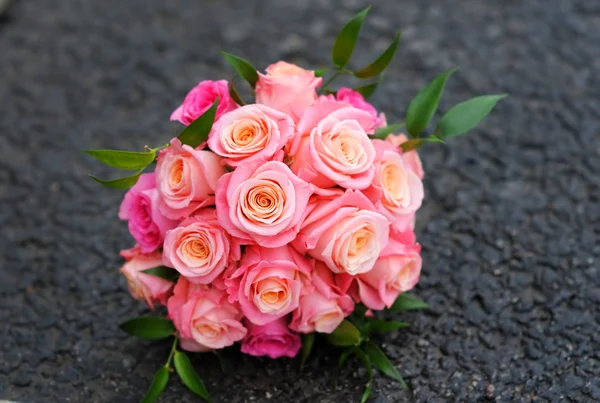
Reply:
x=509, y=229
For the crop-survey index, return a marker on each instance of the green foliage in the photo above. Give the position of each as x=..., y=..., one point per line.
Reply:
x=423, y=106
x=189, y=376
x=346, y=39
x=466, y=115
x=243, y=68
x=380, y=64
x=161, y=378
x=149, y=327
x=197, y=132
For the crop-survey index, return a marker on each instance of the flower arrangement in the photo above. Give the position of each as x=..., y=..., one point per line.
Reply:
x=271, y=222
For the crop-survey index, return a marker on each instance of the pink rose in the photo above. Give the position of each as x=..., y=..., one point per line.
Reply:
x=200, y=98
x=146, y=223
x=411, y=158
x=186, y=179
x=203, y=317
x=356, y=99
x=143, y=286
x=199, y=248
x=397, y=270
x=268, y=283
x=273, y=339
x=287, y=88
x=262, y=202
x=323, y=310
x=344, y=232
x=396, y=191
x=250, y=133
x=338, y=151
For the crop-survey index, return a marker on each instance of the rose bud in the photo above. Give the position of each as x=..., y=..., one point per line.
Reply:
x=287, y=88
x=273, y=340
x=146, y=224
x=143, y=286
x=200, y=99
x=396, y=191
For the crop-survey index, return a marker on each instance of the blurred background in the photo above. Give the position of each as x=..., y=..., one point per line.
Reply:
x=509, y=227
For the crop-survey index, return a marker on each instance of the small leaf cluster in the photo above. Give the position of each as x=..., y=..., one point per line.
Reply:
x=354, y=335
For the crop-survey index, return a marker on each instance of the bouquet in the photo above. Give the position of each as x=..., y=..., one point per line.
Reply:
x=267, y=222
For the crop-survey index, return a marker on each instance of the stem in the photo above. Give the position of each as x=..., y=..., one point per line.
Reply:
x=172, y=353
x=159, y=148
x=333, y=77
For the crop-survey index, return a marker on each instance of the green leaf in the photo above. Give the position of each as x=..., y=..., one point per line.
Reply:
x=423, y=106
x=121, y=183
x=466, y=115
x=163, y=272
x=189, y=376
x=383, y=132
x=244, y=69
x=344, y=357
x=346, y=334
x=367, y=90
x=197, y=131
x=367, y=364
x=149, y=327
x=308, y=340
x=346, y=39
x=407, y=302
x=320, y=72
x=127, y=160
x=234, y=94
x=367, y=392
x=383, y=326
x=158, y=385
x=380, y=64
x=382, y=363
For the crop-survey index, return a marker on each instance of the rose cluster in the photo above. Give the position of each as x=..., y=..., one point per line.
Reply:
x=285, y=218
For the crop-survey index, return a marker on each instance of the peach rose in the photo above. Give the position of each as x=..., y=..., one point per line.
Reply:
x=396, y=191
x=325, y=308
x=338, y=151
x=143, y=286
x=250, y=133
x=344, y=232
x=203, y=317
x=268, y=283
x=397, y=270
x=273, y=340
x=186, y=179
x=200, y=99
x=262, y=202
x=199, y=248
x=146, y=223
x=287, y=88
x=411, y=158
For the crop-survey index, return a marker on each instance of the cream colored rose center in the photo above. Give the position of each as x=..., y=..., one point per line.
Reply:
x=176, y=173
x=263, y=202
x=209, y=330
x=360, y=241
x=395, y=184
x=196, y=247
x=271, y=295
x=246, y=135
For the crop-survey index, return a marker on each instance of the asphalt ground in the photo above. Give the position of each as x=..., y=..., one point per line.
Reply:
x=509, y=228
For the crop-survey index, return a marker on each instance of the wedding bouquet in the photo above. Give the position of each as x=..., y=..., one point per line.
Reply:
x=267, y=222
